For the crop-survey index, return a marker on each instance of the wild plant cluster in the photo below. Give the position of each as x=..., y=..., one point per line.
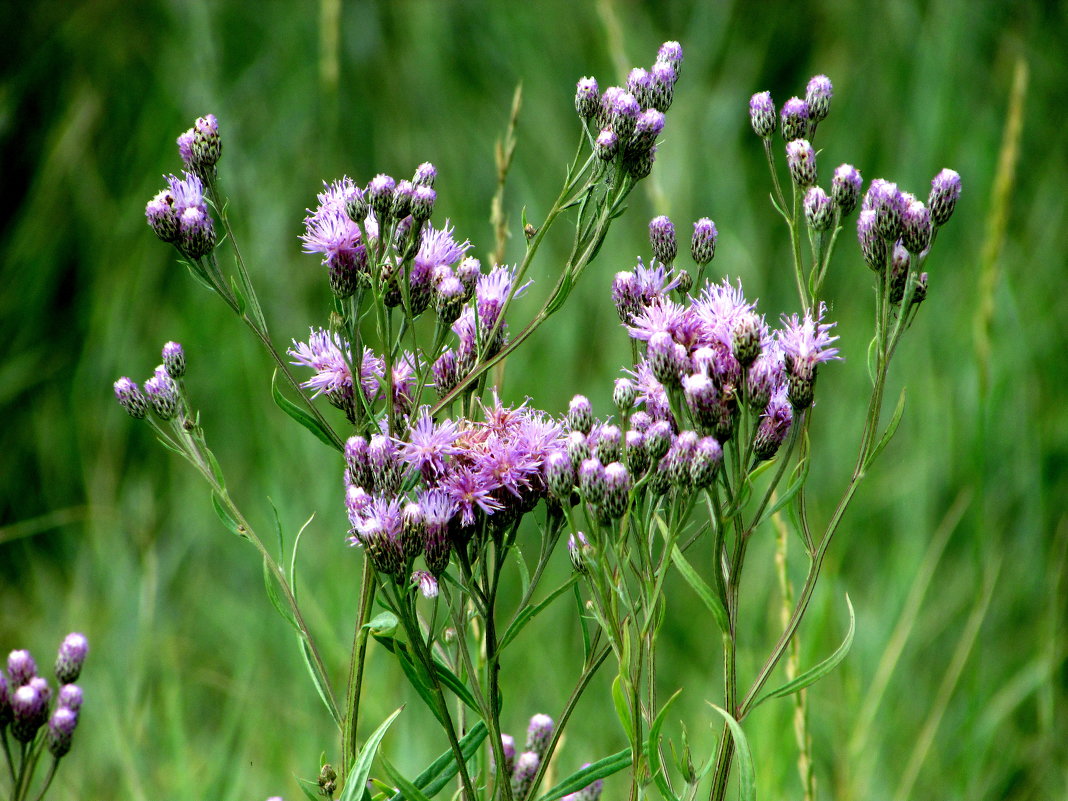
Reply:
x=708, y=440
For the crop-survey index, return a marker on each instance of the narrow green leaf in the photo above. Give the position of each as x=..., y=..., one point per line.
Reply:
x=226, y=517
x=198, y=274
x=239, y=296
x=589, y=774
x=814, y=674
x=310, y=789
x=891, y=429
x=410, y=790
x=704, y=592
x=746, y=771
x=216, y=469
x=619, y=700
x=652, y=750
x=318, y=681
x=361, y=769
x=281, y=606
x=586, y=645
x=531, y=612
x=871, y=358
x=443, y=769
x=524, y=573
x=298, y=413
x=760, y=469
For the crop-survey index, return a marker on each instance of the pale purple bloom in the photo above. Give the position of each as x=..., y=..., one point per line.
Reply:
x=356, y=500
x=639, y=84
x=492, y=291
x=801, y=160
x=794, y=116
x=806, y=342
x=707, y=456
x=439, y=247
x=427, y=584
x=468, y=489
x=185, y=148
x=425, y=175
x=945, y=190
x=662, y=239
x=327, y=354
x=71, y=657
x=378, y=529
x=884, y=198
x=762, y=114
x=651, y=393
x=766, y=375
x=587, y=98
x=818, y=97
x=429, y=445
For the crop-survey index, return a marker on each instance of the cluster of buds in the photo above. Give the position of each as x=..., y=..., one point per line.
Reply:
x=162, y=392
x=179, y=215
x=630, y=118
x=37, y=717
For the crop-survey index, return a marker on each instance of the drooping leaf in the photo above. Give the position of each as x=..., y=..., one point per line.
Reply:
x=746, y=771
x=814, y=674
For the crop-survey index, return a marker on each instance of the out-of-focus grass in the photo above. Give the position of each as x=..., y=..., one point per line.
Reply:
x=194, y=687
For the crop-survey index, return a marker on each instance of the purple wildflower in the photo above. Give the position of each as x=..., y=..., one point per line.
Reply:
x=762, y=114
x=703, y=243
x=794, y=116
x=587, y=98
x=427, y=584
x=945, y=190
x=806, y=343
x=71, y=657
x=774, y=425
x=429, y=445
x=468, y=489
x=378, y=530
x=818, y=97
x=130, y=398
x=845, y=187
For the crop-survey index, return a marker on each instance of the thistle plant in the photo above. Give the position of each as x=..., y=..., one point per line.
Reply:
x=37, y=723
x=708, y=441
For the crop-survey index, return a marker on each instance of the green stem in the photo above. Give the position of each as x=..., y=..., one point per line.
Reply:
x=356, y=667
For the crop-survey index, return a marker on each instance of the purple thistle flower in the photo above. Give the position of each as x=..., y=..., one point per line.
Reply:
x=580, y=414
x=507, y=465
x=578, y=449
x=818, y=97
x=206, y=146
x=623, y=115
x=703, y=243
x=658, y=439
x=617, y=489
x=357, y=463
x=640, y=84
x=607, y=442
x=794, y=118
x=469, y=491
x=886, y=201
x=592, y=481
x=636, y=457
x=405, y=371
x=664, y=316
x=425, y=175
x=526, y=767
x=806, y=343
x=762, y=115
x=670, y=53
x=427, y=584
x=185, y=148
x=356, y=500
x=663, y=358
x=679, y=458
x=774, y=425
x=492, y=291
x=539, y=732
x=766, y=375
x=438, y=511
x=70, y=696
x=651, y=393
x=378, y=529
x=28, y=708
x=701, y=397
x=130, y=398
x=900, y=260
x=606, y=144
x=640, y=420
x=429, y=445
x=159, y=212
x=60, y=731
x=423, y=200
x=819, y=213
x=707, y=457
x=587, y=98
x=383, y=456
x=71, y=657
x=845, y=187
x=380, y=196
x=945, y=190
x=559, y=475
x=663, y=78
x=21, y=668
x=873, y=247
x=647, y=128
x=801, y=160
x=174, y=360
x=162, y=393
x=439, y=247
x=662, y=238
x=916, y=226
x=624, y=394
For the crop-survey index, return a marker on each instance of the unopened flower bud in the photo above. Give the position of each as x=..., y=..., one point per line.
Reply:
x=617, y=489
x=670, y=53
x=28, y=708
x=774, y=426
x=919, y=294
x=423, y=198
x=526, y=767
x=899, y=272
x=427, y=584
x=658, y=438
x=703, y=244
x=130, y=398
x=624, y=394
x=161, y=216
x=61, y=731
x=70, y=696
x=679, y=458
x=794, y=118
x=662, y=360
x=508, y=747
x=5, y=702
x=206, y=145
x=20, y=668
x=559, y=474
x=539, y=732
x=425, y=175
x=162, y=393
x=608, y=445
x=916, y=226
x=592, y=481
x=662, y=85
x=945, y=189
x=385, y=465
x=762, y=114
x=818, y=97
x=402, y=199
x=884, y=198
x=801, y=159
x=874, y=248
x=380, y=198
x=845, y=188
x=624, y=114
x=71, y=657
x=580, y=414
x=662, y=239
x=587, y=98
x=707, y=456
x=606, y=145
x=174, y=360
x=819, y=213
x=577, y=548
x=196, y=233
x=578, y=449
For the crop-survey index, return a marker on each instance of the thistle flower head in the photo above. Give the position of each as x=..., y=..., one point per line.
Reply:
x=818, y=97
x=916, y=226
x=70, y=696
x=794, y=118
x=670, y=53
x=873, y=247
x=662, y=80
x=130, y=398
x=61, y=731
x=526, y=768
x=762, y=115
x=28, y=710
x=71, y=657
x=378, y=530
x=819, y=213
x=886, y=201
x=578, y=548
x=617, y=487
x=945, y=190
x=703, y=243
x=774, y=425
x=470, y=491
x=430, y=445
x=662, y=239
x=162, y=394
x=20, y=668
x=806, y=343
x=539, y=732
x=707, y=457
x=845, y=188
x=624, y=394
x=380, y=196
x=801, y=160
x=206, y=145
x=640, y=84
x=606, y=145
x=580, y=414
x=587, y=98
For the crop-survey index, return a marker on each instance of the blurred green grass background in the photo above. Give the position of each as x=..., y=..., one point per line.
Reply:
x=953, y=554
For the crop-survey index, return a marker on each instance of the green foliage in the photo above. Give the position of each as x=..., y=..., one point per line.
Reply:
x=196, y=689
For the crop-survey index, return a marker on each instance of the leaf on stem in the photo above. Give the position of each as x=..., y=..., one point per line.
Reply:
x=320, y=682
x=746, y=771
x=226, y=518
x=280, y=605
x=442, y=770
x=814, y=674
x=299, y=414
x=589, y=774
x=792, y=489
x=619, y=699
x=704, y=592
x=418, y=675
x=361, y=769
x=530, y=612
x=891, y=429
x=409, y=790
x=652, y=751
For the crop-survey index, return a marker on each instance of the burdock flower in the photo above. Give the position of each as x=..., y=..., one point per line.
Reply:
x=806, y=343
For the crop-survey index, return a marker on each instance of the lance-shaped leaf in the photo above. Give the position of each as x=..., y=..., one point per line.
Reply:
x=361, y=768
